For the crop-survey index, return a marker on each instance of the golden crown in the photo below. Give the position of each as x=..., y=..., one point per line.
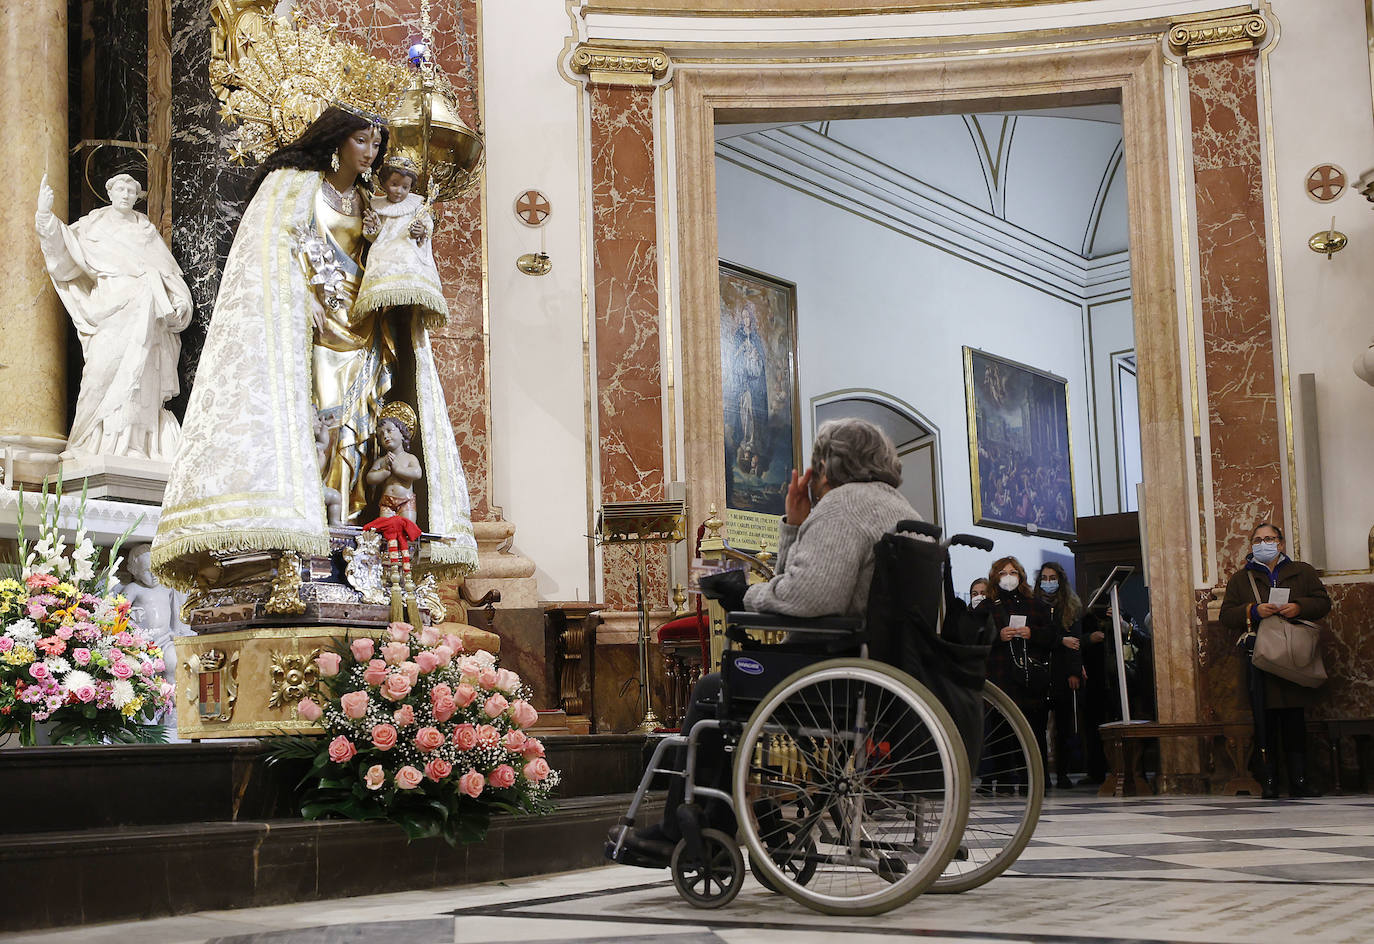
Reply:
x=402, y=413
x=274, y=76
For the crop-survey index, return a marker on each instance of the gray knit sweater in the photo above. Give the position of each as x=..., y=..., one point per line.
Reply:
x=825, y=566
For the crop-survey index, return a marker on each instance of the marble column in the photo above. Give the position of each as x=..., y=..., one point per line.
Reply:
x=33, y=324
x=629, y=397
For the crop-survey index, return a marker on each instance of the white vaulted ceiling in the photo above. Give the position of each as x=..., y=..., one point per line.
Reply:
x=1045, y=190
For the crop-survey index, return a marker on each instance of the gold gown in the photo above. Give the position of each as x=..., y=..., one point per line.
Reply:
x=352, y=364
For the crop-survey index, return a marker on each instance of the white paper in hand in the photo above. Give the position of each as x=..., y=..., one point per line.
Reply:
x=1017, y=622
x=1278, y=595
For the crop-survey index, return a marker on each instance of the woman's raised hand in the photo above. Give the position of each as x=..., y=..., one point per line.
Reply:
x=798, y=504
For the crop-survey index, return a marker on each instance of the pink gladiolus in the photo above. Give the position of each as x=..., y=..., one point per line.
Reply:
x=396, y=687
x=507, y=681
x=408, y=777
x=399, y=632
x=427, y=662
x=437, y=769
x=514, y=741
x=444, y=708
x=383, y=737
x=487, y=678
x=308, y=710
x=375, y=673
x=354, y=704
x=375, y=777
x=533, y=748
x=465, y=737
x=471, y=783
x=536, y=770
x=428, y=739
x=362, y=648
x=465, y=695
x=404, y=716
x=440, y=691
x=503, y=777
x=496, y=706
x=328, y=663
x=523, y=713
x=429, y=637
x=395, y=652
x=341, y=750
x=487, y=736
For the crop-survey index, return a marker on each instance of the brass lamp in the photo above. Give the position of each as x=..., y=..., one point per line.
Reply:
x=427, y=129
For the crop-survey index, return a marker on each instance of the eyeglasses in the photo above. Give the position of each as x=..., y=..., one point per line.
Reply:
x=1268, y=540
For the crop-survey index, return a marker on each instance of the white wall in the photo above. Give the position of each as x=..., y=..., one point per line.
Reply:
x=538, y=438
x=1111, y=330
x=1319, y=75
x=879, y=310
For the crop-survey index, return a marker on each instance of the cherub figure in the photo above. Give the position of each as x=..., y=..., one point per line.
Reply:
x=156, y=608
x=396, y=470
x=333, y=501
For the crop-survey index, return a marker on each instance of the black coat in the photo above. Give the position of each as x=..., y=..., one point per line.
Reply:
x=1002, y=671
x=1238, y=613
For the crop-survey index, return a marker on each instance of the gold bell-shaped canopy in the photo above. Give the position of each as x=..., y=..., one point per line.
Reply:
x=427, y=129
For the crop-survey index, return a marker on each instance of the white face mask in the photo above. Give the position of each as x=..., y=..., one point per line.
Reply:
x=1009, y=582
x=976, y=598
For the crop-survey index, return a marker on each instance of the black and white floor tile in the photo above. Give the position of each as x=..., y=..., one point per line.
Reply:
x=1211, y=870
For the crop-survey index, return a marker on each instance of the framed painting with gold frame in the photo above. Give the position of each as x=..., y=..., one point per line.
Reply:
x=1020, y=455
x=758, y=359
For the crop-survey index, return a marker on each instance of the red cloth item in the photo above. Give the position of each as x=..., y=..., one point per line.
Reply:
x=684, y=627
x=395, y=528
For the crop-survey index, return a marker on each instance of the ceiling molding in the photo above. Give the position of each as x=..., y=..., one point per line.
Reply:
x=804, y=160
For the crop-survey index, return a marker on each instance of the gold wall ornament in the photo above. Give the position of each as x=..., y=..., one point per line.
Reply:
x=274, y=76
x=294, y=676
x=1218, y=37
x=534, y=263
x=604, y=65
x=213, y=687
x=1328, y=242
x=286, y=587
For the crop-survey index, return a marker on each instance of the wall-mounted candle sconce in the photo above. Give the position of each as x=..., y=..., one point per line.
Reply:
x=533, y=208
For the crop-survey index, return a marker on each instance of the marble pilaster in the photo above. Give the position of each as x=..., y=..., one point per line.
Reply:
x=1237, y=335
x=33, y=324
x=628, y=380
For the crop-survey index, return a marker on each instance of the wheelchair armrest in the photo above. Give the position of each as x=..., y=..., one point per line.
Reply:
x=825, y=625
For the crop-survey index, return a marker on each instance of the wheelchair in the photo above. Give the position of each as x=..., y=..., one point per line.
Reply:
x=850, y=786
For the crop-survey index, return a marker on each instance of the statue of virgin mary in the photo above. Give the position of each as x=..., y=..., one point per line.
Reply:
x=286, y=348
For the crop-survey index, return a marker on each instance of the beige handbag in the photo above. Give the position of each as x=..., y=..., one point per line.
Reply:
x=1288, y=648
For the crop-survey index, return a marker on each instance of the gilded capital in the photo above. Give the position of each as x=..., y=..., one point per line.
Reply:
x=604, y=65
x=1201, y=38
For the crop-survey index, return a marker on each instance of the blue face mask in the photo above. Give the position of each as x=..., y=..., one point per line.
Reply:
x=1265, y=553
x=1050, y=587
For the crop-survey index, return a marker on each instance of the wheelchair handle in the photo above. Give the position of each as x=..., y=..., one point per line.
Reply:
x=925, y=528
x=970, y=540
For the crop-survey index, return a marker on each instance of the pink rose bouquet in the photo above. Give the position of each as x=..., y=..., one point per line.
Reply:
x=415, y=725
x=70, y=656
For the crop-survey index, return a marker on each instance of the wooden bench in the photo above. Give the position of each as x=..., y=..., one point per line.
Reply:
x=1124, y=741
x=1357, y=728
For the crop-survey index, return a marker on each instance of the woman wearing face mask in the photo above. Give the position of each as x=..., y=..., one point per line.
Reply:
x=977, y=593
x=1066, y=663
x=1276, y=703
x=1020, y=657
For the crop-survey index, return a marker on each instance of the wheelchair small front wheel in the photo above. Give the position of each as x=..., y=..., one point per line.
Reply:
x=712, y=883
x=851, y=787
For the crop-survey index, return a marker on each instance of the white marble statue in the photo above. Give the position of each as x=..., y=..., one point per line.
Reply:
x=125, y=293
x=155, y=608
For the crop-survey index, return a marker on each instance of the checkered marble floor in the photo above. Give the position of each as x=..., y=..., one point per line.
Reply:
x=1212, y=870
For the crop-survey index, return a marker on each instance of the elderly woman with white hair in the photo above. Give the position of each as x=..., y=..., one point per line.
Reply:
x=836, y=512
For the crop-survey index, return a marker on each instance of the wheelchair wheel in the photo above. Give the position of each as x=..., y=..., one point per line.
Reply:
x=1005, y=807
x=715, y=882
x=851, y=787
